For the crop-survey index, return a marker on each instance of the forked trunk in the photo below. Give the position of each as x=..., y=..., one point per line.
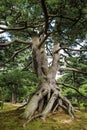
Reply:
x=47, y=97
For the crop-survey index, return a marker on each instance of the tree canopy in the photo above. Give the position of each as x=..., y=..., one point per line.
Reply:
x=61, y=21
x=45, y=37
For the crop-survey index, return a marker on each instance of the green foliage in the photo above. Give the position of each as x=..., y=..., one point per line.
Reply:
x=83, y=88
x=20, y=82
x=77, y=81
x=82, y=66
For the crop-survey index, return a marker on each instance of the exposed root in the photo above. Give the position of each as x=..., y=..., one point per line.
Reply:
x=33, y=117
x=29, y=98
x=45, y=101
x=22, y=106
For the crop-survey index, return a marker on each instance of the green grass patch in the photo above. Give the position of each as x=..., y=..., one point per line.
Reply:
x=7, y=107
x=9, y=120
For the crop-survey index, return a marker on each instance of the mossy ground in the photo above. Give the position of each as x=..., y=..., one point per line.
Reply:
x=9, y=120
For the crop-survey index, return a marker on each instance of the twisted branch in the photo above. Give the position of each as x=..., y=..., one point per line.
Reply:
x=17, y=52
x=72, y=69
x=13, y=41
x=68, y=86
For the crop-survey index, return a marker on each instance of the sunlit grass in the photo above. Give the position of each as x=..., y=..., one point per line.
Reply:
x=9, y=120
x=7, y=107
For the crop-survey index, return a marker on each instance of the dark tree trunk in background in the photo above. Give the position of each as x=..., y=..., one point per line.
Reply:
x=14, y=97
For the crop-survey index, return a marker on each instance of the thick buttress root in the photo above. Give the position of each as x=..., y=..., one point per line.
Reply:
x=45, y=101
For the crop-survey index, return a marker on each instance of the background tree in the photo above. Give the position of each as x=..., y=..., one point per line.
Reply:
x=44, y=28
x=79, y=61
x=16, y=85
x=77, y=82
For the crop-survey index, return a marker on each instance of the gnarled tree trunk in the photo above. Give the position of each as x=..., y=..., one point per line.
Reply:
x=47, y=97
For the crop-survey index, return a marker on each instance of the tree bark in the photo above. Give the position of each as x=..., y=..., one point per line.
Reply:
x=48, y=96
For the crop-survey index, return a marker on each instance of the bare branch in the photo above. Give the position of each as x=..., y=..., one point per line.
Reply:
x=71, y=69
x=45, y=14
x=67, y=52
x=71, y=49
x=61, y=16
x=16, y=40
x=68, y=86
x=26, y=67
x=16, y=28
x=2, y=32
x=12, y=29
x=18, y=51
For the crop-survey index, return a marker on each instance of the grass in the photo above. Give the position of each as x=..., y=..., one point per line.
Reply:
x=9, y=120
